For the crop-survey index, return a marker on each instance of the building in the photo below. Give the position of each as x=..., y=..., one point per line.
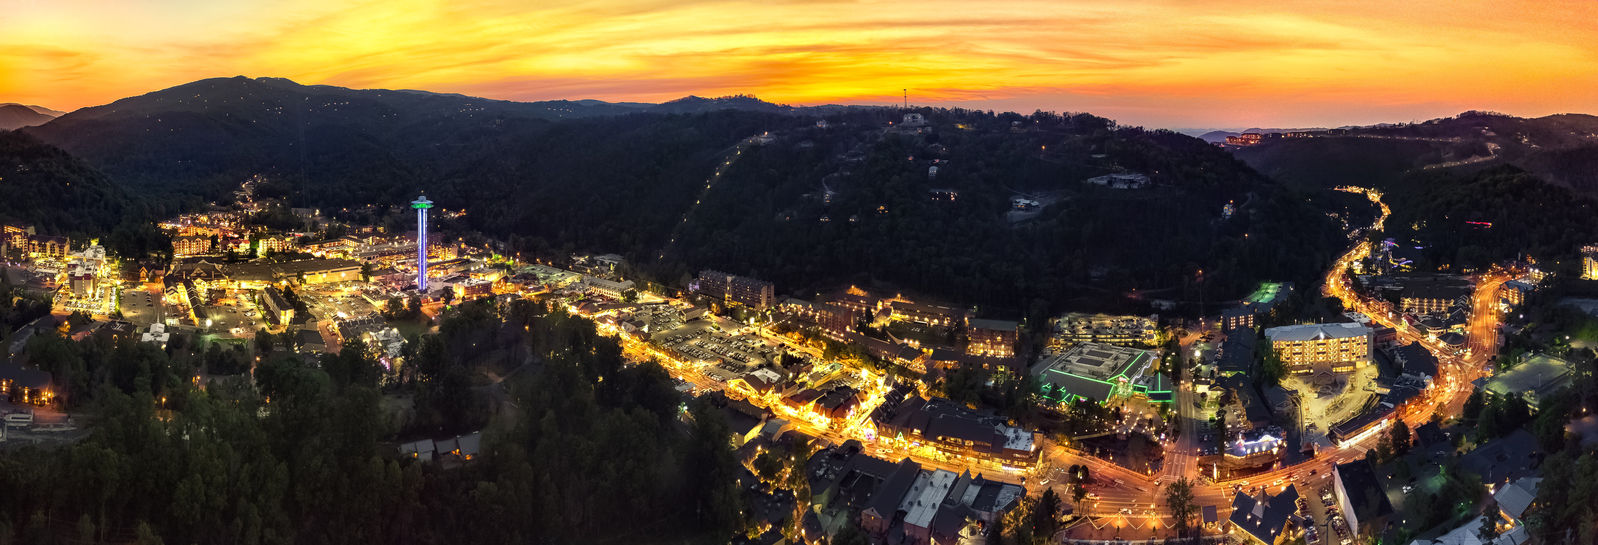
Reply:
x=993, y=337
x=1436, y=295
x=47, y=246
x=941, y=429
x=927, y=314
x=472, y=289
x=1513, y=293
x=81, y=283
x=608, y=288
x=1237, y=318
x=1589, y=261
x=309, y=341
x=1342, y=347
x=157, y=335
x=1076, y=327
x=191, y=245
x=731, y=289
x=922, y=503
x=278, y=310
x=1360, y=496
x=31, y=386
x=1265, y=519
x=914, y=120
x=1245, y=139
x=835, y=321
x=1092, y=371
x=880, y=513
x=16, y=235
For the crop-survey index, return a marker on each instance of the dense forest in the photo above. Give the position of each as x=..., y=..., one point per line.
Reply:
x=308, y=454
x=1528, y=217
x=823, y=206
x=61, y=195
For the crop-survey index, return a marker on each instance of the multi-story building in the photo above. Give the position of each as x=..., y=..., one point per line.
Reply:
x=16, y=235
x=1342, y=347
x=1435, y=295
x=191, y=245
x=473, y=288
x=1513, y=293
x=1361, y=496
x=1589, y=261
x=279, y=309
x=273, y=244
x=1237, y=318
x=47, y=246
x=81, y=282
x=1079, y=327
x=834, y=320
x=731, y=288
x=993, y=337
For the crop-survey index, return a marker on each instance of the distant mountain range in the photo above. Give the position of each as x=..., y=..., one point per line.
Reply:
x=1562, y=149
x=1219, y=135
x=15, y=116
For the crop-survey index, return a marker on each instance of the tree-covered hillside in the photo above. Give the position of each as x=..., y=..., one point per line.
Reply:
x=58, y=194
x=1562, y=149
x=888, y=219
x=1528, y=217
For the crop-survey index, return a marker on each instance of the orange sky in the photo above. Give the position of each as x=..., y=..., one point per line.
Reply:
x=1176, y=63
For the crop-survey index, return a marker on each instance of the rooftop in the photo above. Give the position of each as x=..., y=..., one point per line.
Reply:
x=1315, y=332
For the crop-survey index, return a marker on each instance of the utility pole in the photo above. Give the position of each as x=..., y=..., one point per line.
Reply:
x=906, y=99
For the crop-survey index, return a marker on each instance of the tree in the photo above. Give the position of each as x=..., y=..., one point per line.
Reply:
x=1489, y=525
x=1473, y=405
x=1179, y=500
x=393, y=309
x=1401, y=437
x=263, y=343
x=366, y=272
x=1272, y=368
x=1078, y=493
x=1045, y=518
x=629, y=296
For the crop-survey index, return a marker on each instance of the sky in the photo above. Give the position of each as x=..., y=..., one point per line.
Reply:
x=1173, y=64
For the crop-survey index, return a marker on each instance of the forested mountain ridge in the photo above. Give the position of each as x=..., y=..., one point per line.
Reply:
x=552, y=178
x=1561, y=149
x=59, y=194
x=841, y=204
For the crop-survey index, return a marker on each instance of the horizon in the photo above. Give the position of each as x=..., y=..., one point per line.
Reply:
x=1204, y=65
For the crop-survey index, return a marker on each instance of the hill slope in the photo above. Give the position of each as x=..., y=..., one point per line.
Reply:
x=1562, y=149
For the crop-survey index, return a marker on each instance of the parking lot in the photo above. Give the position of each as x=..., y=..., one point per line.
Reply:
x=142, y=306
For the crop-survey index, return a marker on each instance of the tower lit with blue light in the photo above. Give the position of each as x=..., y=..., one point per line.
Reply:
x=421, y=204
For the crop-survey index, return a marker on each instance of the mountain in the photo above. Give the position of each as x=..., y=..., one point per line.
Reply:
x=58, y=194
x=16, y=116
x=1561, y=149
x=37, y=109
x=641, y=180
x=1219, y=135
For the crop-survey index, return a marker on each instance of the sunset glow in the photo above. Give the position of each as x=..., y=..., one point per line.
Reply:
x=1170, y=64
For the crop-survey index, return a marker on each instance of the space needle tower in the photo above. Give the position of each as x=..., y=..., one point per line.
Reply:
x=421, y=204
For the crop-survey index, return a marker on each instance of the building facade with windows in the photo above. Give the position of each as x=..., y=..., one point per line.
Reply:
x=993, y=337
x=732, y=288
x=1343, y=347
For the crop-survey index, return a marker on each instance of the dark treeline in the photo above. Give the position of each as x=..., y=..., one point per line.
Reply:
x=307, y=454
